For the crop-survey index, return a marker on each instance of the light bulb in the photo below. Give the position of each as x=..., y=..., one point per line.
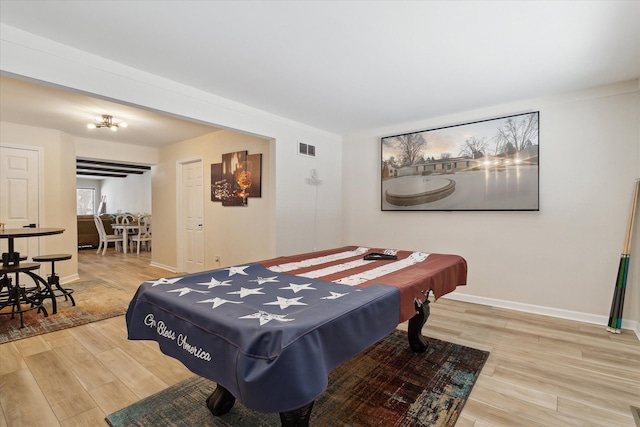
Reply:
x=91, y=126
x=113, y=128
x=123, y=125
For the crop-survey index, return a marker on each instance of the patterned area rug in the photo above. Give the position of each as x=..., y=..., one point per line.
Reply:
x=387, y=385
x=95, y=300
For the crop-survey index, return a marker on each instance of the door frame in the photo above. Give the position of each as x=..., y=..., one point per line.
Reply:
x=41, y=208
x=40, y=151
x=179, y=213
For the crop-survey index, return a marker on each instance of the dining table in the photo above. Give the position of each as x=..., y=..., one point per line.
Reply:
x=11, y=257
x=126, y=229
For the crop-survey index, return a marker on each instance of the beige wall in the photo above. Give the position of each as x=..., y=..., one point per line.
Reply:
x=601, y=126
x=561, y=260
x=58, y=190
x=89, y=148
x=297, y=209
x=235, y=234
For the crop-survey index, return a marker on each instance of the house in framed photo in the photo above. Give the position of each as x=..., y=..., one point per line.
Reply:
x=495, y=169
x=540, y=221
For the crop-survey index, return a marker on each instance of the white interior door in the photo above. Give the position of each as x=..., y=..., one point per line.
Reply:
x=19, y=187
x=192, y=217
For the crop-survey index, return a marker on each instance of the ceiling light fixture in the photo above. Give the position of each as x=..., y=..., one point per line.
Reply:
x=106, y=121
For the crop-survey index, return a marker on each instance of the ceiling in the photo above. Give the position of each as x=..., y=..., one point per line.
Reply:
x=98, y=169
x=33, y=104
x=341, y=66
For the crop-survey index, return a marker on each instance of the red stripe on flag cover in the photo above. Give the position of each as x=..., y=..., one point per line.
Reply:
x=439, y=273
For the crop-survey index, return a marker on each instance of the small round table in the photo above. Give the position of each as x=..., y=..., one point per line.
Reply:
x=11, y=257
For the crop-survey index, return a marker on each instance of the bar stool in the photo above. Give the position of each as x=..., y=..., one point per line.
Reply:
x=16, y=295
x=5, y=282
x=54, y=280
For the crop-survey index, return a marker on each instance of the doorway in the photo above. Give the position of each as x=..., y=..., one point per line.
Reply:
x=20, y=193
x=190, y=216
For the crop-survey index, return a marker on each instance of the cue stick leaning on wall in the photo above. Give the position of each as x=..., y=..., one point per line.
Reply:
x=615, y=316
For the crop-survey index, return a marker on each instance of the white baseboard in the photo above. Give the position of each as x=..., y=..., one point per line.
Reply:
x=527, y=308
x=545, y=311
x=164, y=267
x=69, y=279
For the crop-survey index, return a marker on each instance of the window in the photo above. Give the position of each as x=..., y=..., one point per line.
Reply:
x=85, y=201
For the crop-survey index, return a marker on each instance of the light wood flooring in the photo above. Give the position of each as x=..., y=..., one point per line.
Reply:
x=541, y=372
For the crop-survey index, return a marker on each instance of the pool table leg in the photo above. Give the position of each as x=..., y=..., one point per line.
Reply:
x=297, y=418
x=416, y=341
x=221, y=401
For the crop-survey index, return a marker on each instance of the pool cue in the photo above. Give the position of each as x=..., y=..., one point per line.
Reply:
x=615, y=316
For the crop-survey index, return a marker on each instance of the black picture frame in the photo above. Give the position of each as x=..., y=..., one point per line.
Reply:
x=486, y=165
x=237, y=178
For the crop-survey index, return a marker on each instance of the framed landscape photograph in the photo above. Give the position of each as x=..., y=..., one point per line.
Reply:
x=488, y=165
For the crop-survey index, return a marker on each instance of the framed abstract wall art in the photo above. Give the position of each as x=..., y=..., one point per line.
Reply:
x=237, y=178
x=488, y=165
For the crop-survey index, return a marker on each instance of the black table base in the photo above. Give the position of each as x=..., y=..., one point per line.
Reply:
x=17, y=296
x=221, y=401
x=297, y=418
x=414, y=332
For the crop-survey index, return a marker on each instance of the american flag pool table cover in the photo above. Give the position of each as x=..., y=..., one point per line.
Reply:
x=270, y=332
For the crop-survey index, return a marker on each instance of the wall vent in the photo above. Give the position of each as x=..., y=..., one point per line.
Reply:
x=306, y=149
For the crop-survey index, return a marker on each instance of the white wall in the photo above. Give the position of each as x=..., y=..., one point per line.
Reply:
x=563, y=258
x=97, y=149
x=131, y=194
x=235, y=234
x=28, y=56
x=58, y=190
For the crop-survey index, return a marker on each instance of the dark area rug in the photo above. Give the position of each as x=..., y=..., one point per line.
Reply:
x=387, y=386
x=95, y=300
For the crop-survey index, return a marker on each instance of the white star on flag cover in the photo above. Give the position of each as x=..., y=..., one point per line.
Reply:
x=237, y=270
x=265, y=317
x=243, y=292
x=235, y=286
x=286, y=302
x=217, y=302
x=297, y=288
x=213, y=283
x=164, y=281
x=187, y=290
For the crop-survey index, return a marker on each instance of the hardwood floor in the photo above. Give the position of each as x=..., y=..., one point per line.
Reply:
x=541, y=372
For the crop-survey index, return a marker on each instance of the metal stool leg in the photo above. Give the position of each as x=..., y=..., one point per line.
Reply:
x=53, y=287
x=54, y=280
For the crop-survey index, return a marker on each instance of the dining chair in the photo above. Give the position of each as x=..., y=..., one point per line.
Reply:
x=123, y=219
x=144, y=233
x=104, y=237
